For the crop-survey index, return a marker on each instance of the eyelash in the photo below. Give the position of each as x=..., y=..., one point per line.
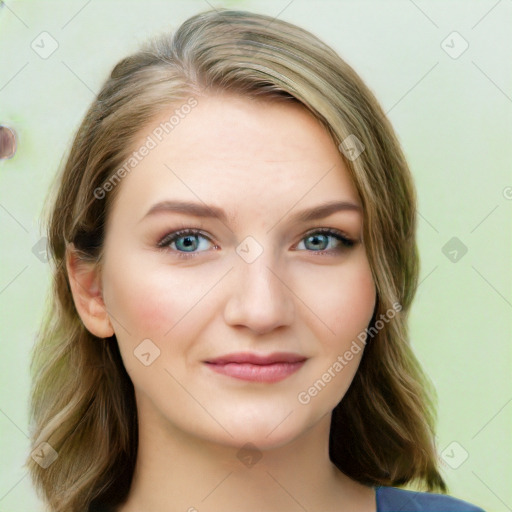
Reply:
x=346, y=243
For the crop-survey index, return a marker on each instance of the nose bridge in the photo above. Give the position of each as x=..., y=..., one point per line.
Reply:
x=259, y=276
x=259, y=298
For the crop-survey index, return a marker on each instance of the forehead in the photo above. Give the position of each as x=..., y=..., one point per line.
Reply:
x=232, y=127
x=228, y=147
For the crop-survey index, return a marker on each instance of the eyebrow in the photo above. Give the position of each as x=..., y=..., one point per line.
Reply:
x=209, y=211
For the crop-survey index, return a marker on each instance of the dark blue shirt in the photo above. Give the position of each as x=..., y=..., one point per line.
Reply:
x=391, y=499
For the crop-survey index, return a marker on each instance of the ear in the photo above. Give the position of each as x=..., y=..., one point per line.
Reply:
x=85, y=283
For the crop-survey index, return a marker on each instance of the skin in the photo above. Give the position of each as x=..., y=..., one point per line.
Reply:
x=261, y=162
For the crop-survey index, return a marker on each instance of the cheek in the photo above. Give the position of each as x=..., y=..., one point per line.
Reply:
x=347, y=307
x=147, y=303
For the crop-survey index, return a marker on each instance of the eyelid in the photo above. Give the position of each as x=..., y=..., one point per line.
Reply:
x=174, y=235
x=332, y=231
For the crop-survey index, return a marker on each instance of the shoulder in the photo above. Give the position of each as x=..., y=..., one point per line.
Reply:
x=392, y=499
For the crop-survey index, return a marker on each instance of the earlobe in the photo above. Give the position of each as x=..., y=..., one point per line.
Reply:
x=85, y=284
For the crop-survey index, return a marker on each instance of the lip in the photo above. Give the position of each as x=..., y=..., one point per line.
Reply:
x=255, y=367
x=260, y=359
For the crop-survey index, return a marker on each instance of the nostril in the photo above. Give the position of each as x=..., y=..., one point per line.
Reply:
x=7, y=142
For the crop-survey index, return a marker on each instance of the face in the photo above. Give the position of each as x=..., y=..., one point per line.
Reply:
x=250, y=280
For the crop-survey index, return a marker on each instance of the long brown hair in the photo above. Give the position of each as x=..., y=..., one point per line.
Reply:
x=83, y=410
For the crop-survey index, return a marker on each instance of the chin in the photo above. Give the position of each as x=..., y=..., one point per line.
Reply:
x=264, y=432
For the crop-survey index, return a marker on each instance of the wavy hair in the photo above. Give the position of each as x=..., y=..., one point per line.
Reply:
x=83, y=407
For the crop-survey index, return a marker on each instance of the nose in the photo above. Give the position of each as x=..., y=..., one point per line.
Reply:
x=259, y=296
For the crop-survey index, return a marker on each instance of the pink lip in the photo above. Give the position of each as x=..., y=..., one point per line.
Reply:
x=257, y=368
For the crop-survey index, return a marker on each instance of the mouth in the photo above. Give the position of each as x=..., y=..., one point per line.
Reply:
x=256, y=367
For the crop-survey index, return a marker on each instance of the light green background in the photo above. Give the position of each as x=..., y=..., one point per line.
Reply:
x=453, y=117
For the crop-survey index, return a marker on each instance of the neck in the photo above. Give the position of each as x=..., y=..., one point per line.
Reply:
x=178, y=472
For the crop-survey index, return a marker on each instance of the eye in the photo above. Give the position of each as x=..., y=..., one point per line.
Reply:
x=185, y=241
x=321, y=241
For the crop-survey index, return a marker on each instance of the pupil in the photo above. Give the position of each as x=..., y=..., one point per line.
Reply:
x=188, y=241
x=317, y=238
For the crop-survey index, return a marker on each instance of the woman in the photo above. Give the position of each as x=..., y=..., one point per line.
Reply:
x=234, y=244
